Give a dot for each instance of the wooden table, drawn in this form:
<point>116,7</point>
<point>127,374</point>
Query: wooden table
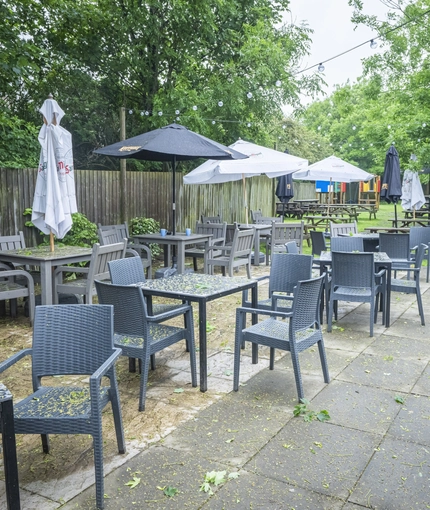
<point>319,220</point>
<point>406,222</point>
<point>404,230</point>
<point>200,288</point>
<point>47,261</point>
<point>178,241</point>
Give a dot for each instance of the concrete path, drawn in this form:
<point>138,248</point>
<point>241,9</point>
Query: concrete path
<point>374,452</point>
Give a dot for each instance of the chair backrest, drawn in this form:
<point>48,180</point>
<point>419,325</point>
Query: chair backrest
<point>108,236</point>
<point>318,242</point>
<point>229,233</point>
<point>255,215</point>
<point>287,269</point>
<point>15,242</point>
<point>292,247</point>
<point>211,219</point>
<point>396,246</point>
<point>71,339</point>
<point>343,228</point>
<point>418,235</point>
<point>284,232</point>
<point>100,257</point>
<point>267,220</point>
<point>306,306</point>
<point>130,311</point>
<point>243,243</point>
<point>420,256</point>
<point>122,229</point>
<point>126,271</point>
<point>353,270</point>
<point>348,243</point>
<point>217,230</point>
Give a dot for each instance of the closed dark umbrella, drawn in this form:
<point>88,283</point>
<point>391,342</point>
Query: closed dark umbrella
<point>284,190</point>
<point>391,186</point>
<point>170,143</point>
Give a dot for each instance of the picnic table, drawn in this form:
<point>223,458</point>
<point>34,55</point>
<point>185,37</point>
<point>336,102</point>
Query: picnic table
<point>387,229</point>
<point>407,222</point>
<point>324,220</point>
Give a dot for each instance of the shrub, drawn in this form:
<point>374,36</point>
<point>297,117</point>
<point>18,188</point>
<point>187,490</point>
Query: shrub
<point>141,225</point>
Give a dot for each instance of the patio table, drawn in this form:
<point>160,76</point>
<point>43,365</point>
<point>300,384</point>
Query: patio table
<point>178,241</point>
<point>200,288</point>
<point>47,261</point>
<point>7,427</point>
<point>381,260</point>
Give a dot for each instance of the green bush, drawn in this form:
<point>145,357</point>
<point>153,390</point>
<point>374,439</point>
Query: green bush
<point>143,225</point>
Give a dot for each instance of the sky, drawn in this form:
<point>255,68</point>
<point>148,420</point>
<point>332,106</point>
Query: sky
<point>333,34</point>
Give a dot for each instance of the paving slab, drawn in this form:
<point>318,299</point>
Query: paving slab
<point>317,456</point>
<point>407,327</point>
<point>383,371</point>
<point>397,478</point>
<point>257,492</point>
<point>358,406</point>
<point>348,340</point>
<point>401,347</point>
<point>422,386</point>
<point>413,421</point>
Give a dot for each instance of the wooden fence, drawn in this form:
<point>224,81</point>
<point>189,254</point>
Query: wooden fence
<point>149,194</point>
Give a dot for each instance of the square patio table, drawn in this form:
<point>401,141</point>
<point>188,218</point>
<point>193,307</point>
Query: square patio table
<point>179,241</point>
<point>200,288</point>
<point>381,260</point>
<point>9,449</point>
<point>42,256</point>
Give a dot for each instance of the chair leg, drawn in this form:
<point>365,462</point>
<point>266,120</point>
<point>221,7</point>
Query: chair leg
<point>45,443</point>
<point>297,375</point>
<point>237,345</point>
<point>131,365</point>
<point>420,307</point>
<point>98,465</point>
<point>117,418</point>
<point>272,358</point>
<point>13,305</point>
<point>248,270</point>
<point>330,315</point>
<point>143,381</point>
<point>195,263</point>
<point>323,359</point>
<point>152,361</point>
<point>190,342</point>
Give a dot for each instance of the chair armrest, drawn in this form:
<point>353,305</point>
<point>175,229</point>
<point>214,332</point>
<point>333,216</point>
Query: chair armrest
<point>5,267</point>
<point>218,241</point>
<point>380,274</point>
<point>14,358</point>
<point>170,314</point>
<point>141,249</point>
<point>129,252</point>
<point>271,313</point>
<point>103,369</point>
<point>224,249</point>
<point>275,298</point>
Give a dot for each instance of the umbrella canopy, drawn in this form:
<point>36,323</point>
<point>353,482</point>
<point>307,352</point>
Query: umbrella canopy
<point>332,169</point>
<point>284,189</point>
<point>412,192</point>
<point>391,188</point>
<point>54,199</point>
<point>170,143</point>
<point>261,161</point>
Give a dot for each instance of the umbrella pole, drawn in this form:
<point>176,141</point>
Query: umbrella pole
<point>51,242</point>
<point>395,214</point>
<point>174,260</point>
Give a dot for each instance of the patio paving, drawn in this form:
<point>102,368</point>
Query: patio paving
<point>372,453</point>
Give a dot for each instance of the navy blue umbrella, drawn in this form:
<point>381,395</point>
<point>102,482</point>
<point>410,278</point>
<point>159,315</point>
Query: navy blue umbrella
<point>284,189</point>
<point>391,186</point>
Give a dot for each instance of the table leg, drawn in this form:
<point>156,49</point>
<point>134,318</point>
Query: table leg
<point>46,283</point>
<point>203,347</point>
<point>180,247</point>
<point>254,301</point>
<point>388,298</point>
<point>257,248</point>
<point>9,455</point>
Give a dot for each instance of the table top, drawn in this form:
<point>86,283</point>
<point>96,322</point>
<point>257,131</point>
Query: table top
<point>43,253</point>
<point>5,394</point>
<point>197,285</point>
<point>378,256</point>
<point>256,226</point>
<point>170,237</point>
<point>387,229</point>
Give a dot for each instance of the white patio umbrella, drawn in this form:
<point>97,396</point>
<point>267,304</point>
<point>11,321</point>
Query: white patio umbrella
<point>54,198</point>
<point>262,160</point>
<point>332,169</point>
<point>412,192</point>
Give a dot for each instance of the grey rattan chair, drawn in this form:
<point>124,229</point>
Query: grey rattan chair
<point>291,247</point>
<point>353,278</point>
<point>71,340</point>
<point>10,289</point>
<point>282,233</point>
<point>303,330</point>
<point>348,244</point>
<point>412,286</point>
<point>140,335</point>
<point>318,242</point>
<point>217,230</point>
<point>97,269</point>
<point>417,236</point>
<point>397,247</point>
<point>287,269</point>
<point>111,234</point>
<point>234,256</point>
<point>337,229</point>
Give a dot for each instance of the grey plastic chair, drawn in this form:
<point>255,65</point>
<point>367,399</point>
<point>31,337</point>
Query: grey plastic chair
<point>287,269</point>
<point>111,234</point>
<point>353,278</point>
<point>397,247</point>
<point>97,269</point>
<point>140,335</point>
<point>417,236</point>
<point>282,233</point>
<point>10,289</point>
<point>337,229</point>
<point>412,286</point>
<point>303,330</point>
<point>348,244</point>
<point>217,230</point>
<point>71,340</point>
<point>318,242</point>
<point>291,247</point>
<point>234,256</point>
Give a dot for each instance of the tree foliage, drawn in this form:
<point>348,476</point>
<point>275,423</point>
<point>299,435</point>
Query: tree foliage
<point>153,56</point>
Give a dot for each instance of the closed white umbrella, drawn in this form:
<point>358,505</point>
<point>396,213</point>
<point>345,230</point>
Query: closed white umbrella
<point>412,192</point>
<point>261,160</point>
<point>54,198</point>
